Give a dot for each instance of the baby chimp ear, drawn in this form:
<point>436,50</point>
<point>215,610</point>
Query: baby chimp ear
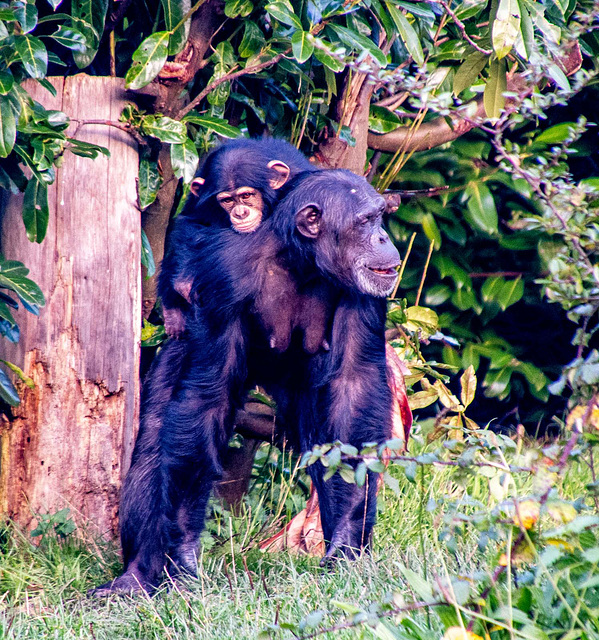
<point>307,221</point>
<point>196,185</point>
<point>280,172</point>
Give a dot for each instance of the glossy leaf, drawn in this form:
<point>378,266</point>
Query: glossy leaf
<point>164,128</point>
<point>54,3</point>
<point>496,86</point>
<point>407,33</point>
<point>184,158</point>
<point>13,276</point>
<point>506,27</point>
<point>148,183</point>
<point>88,17</point>
<point>8,393</point>
<point>32,54</point>
<point>8,127</point>
<point>218,125</point>
<point>358,42</point>
<point>71,38</point>
<point>481,212</point>
<point>382,120</point>
<point>148,60</point>
<point>174,12</point>
<point>35,210</point>
<point>556,134</point>
<point>511,292</point>
<point>329,61</point>
<point>26,14</point>
<point>468,72</point>
<point>283,13</point>
<point>302,46</point>
<point>253,40</point>
<point>238,8</point>
<point>147,256</point>
<point>431,229</point>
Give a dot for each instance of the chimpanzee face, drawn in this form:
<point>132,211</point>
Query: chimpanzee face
<point>343,216</point>
<point>245,204</point>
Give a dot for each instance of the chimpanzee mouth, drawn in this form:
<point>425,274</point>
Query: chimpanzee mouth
<point>380,271</point>
<point>377,281</point>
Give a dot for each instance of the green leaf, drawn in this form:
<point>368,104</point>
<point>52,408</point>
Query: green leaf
<point>8,127</point>
<point>481,212</point>
<point>147,256</point>
<point>184,158</point>
<point>35,210</point>
<point>238,8</point>
<point>491,289</point>
<point>148,60</point>
<point>420,586</point>
<point>510,293</point>
<point>431,229</point>
<point>496,382</point>
<point>382,120</point>
<point>496,86</point>
<point>13,276</point>
<point>218,125</point>
<point>174,11</point>
<point>302,46</point>
<point>88,17</point>
<point>506,27</point>
<point>20,373</point>
<point>555,135</point>
<point>329,61</point>
<point>283,13</point>
<point>464,299</point>
<point>32,53</point>
<point>422,318</point>
<point>8,393</point>
<point>26,14</point>
<point>407,33</point>
<point>469,71</point>
<point>359,43</point>
<point>164,128</point>
<point>148,183</point>
<point>5,312</point>
<point>253,40</point>
<point>70,38</point>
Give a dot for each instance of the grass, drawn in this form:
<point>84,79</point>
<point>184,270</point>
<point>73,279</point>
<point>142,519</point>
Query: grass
<point>240,590</point>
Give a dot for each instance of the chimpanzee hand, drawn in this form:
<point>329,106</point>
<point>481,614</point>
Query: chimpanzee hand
<point>174,322</point>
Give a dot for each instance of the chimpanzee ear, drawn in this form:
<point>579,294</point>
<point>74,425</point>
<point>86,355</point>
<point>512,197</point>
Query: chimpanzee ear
<point>196,185</point>
<point>307,221</point>
<point>280,173</point>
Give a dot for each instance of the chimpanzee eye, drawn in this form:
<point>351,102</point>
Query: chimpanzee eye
<point>226,201</point>
<point>246,196</point>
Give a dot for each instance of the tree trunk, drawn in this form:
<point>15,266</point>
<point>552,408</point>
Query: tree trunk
<point>69,442</point>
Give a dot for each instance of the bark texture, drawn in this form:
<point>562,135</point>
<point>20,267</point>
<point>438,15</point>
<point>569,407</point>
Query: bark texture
<point>70,441</point>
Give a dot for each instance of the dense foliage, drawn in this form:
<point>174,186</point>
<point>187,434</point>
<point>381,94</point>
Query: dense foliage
<point>367,85</point>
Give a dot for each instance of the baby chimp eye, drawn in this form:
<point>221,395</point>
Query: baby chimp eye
<point>226,201</point>
<point>246,196</point>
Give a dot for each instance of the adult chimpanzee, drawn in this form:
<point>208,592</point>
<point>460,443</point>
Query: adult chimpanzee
<point>325,233</point>
<point>236,187</point>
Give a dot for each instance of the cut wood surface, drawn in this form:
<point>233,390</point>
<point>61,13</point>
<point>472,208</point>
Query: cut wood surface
<point>72,436</point>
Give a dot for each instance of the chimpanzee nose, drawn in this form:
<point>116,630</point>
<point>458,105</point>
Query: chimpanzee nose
<point>242,213</point>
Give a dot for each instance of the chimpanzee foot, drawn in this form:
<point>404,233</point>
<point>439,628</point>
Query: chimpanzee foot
<point>127,584</point>
<point>340,546</point>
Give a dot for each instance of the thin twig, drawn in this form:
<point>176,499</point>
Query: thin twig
<point>227,78</point>
<point>428,259</point>
<point>461,26</point>
<point>123,126</point>
<point>403,265</point>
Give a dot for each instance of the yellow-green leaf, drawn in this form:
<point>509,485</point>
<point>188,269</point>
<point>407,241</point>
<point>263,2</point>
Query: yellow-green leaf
<point>506,27</point>
<point>496,86</point>
<point>468,384</point>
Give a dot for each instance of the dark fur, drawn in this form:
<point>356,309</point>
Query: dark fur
<point>236,164</point>
<point>342,394</point>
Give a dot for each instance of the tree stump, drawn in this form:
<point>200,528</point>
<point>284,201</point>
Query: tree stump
<point>69,442</point>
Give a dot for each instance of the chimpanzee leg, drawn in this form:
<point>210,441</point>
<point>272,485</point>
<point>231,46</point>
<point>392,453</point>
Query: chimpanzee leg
<point>176,458</point>
<point>348,400</point>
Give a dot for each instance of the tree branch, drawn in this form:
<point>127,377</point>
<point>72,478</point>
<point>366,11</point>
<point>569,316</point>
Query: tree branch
<point>471,115</point>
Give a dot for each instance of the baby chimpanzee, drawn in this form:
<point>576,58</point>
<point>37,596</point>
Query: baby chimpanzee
<point>236,187</point>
